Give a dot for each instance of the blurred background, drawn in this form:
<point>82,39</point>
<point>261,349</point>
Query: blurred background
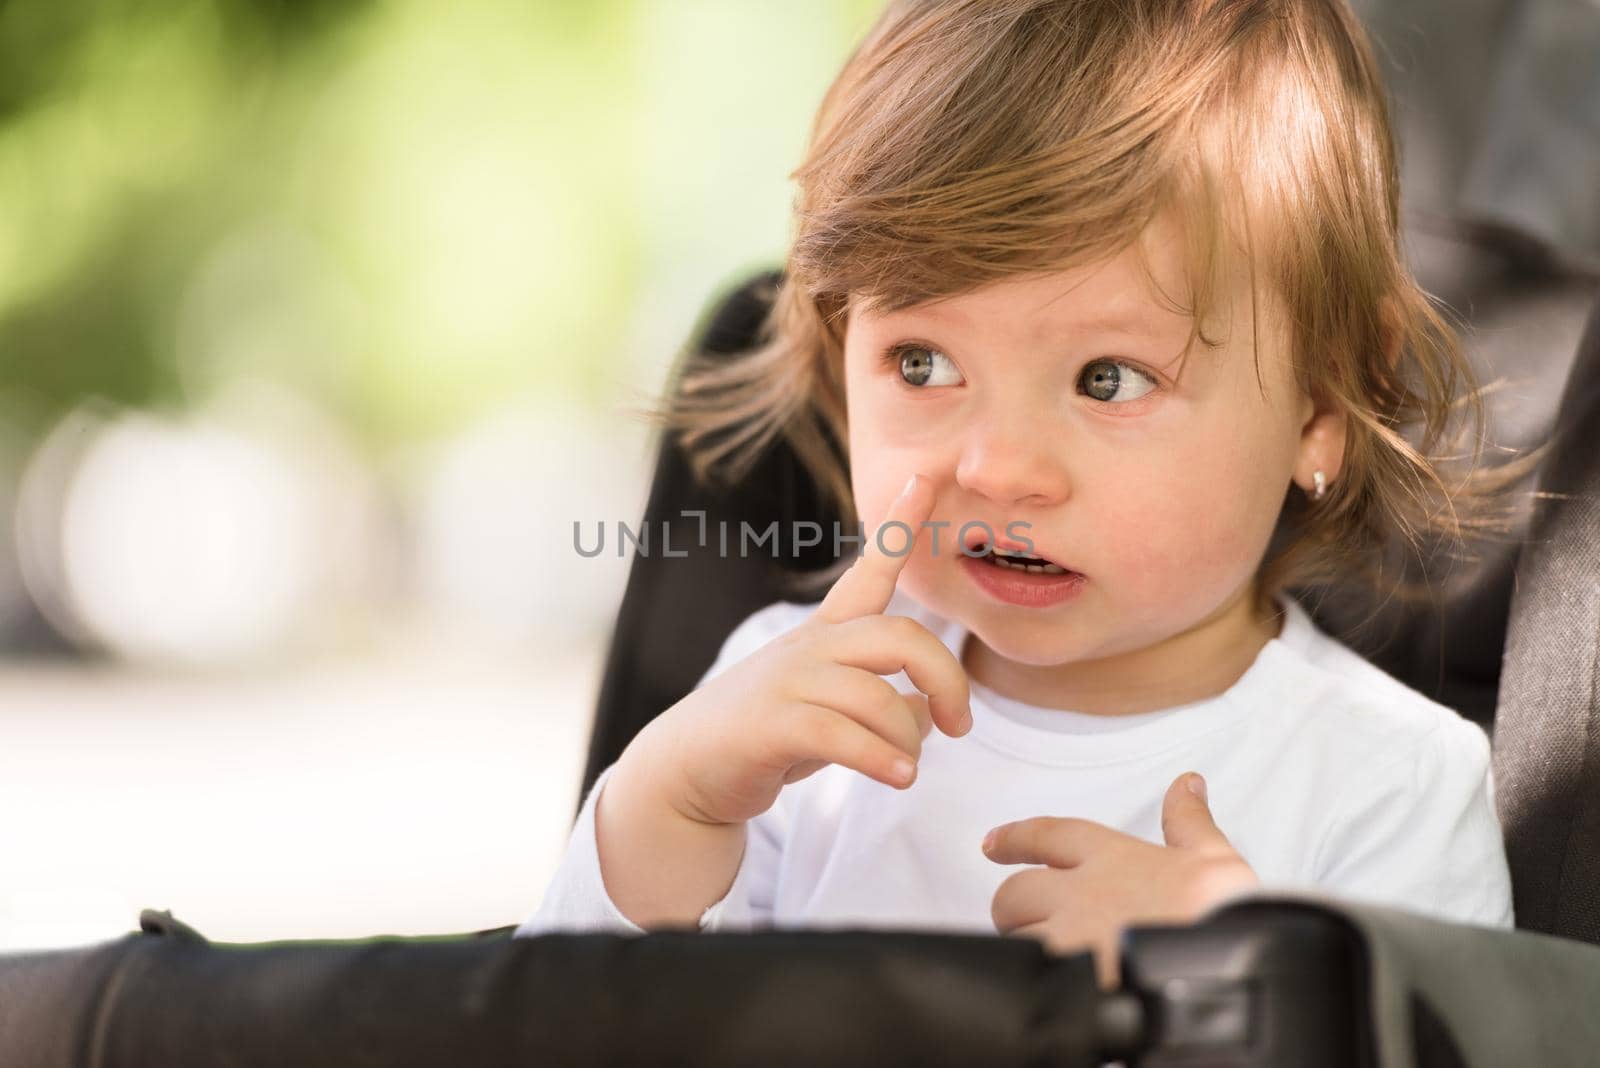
<point>320,323</point>
<point>319,326</point>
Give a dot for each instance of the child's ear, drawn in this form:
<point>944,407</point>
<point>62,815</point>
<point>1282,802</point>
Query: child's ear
<point>1327,424</point>
<point>1322,438</point>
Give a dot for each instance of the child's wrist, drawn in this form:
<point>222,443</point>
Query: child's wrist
<point>659,867</point>
<point>658,783</point>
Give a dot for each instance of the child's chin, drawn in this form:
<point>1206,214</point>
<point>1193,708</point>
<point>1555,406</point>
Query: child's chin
<point>1034,650</point>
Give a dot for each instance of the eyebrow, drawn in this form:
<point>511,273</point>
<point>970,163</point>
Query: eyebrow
<point>1133,324</point>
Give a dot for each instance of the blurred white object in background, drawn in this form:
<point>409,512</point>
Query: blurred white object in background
<point>182,541</point>
<point>496,557</point>
<point>216,539</point>
<point>41,507</point>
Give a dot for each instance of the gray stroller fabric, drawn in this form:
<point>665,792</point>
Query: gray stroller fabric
<point>1547,736</point>
<point>1498,109</point>
<point>1447,993</point>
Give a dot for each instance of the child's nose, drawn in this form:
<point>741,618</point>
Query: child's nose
<point>1013,461</point>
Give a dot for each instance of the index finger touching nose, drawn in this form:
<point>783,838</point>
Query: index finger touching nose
<point>866,588</point>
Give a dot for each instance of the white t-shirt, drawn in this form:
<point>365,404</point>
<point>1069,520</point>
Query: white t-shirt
<point>1325,773</point>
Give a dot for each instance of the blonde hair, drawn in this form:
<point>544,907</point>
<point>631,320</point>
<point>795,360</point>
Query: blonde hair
<point>965,141</point>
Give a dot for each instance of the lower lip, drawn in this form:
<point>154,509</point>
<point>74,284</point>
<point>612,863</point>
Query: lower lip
<point>1025,589</point>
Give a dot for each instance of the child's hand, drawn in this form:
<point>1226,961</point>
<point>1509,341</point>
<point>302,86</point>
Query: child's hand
<point>1100,880</point>
<point>812,697</point>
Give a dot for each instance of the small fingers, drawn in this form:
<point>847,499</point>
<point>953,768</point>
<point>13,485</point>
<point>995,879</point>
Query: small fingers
<point>866,588</point>
<point>871,701</point>
<point>887,645</point>
<point>820,733</point>
<point>1028,897</point>
<point>1059,841</point>
<point>922,712</point>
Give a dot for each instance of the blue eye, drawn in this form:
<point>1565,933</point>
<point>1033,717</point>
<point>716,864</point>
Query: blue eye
<point>920,365</point>
<point>1114,381</point>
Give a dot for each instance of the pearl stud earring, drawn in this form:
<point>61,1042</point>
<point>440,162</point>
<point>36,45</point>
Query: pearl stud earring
<point>1320,483</point>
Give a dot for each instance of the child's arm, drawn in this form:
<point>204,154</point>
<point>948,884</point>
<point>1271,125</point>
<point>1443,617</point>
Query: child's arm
<point>664,831</point>
<point>577,898</point>
<point>661,867</point>
<point>671,824</point>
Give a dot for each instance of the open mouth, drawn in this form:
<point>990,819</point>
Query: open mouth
<point>1016,560</point>
<point>1025,580</point>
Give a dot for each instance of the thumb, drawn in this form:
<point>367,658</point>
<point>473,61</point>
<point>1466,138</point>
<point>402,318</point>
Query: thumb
<point>1186,815</point>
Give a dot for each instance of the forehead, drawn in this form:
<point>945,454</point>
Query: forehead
<point>1142,291</point>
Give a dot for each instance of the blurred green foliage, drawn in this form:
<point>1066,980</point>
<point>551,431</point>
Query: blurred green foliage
<point>113,172</point>
<point>406,211</point>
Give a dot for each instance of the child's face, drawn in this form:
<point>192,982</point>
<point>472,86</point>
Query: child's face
<point>1161,492</point>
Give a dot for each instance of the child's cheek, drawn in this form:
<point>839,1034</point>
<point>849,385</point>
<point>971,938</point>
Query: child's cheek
<point>1181,542</point>
<point>887,445</point>
<point>878,474</point>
